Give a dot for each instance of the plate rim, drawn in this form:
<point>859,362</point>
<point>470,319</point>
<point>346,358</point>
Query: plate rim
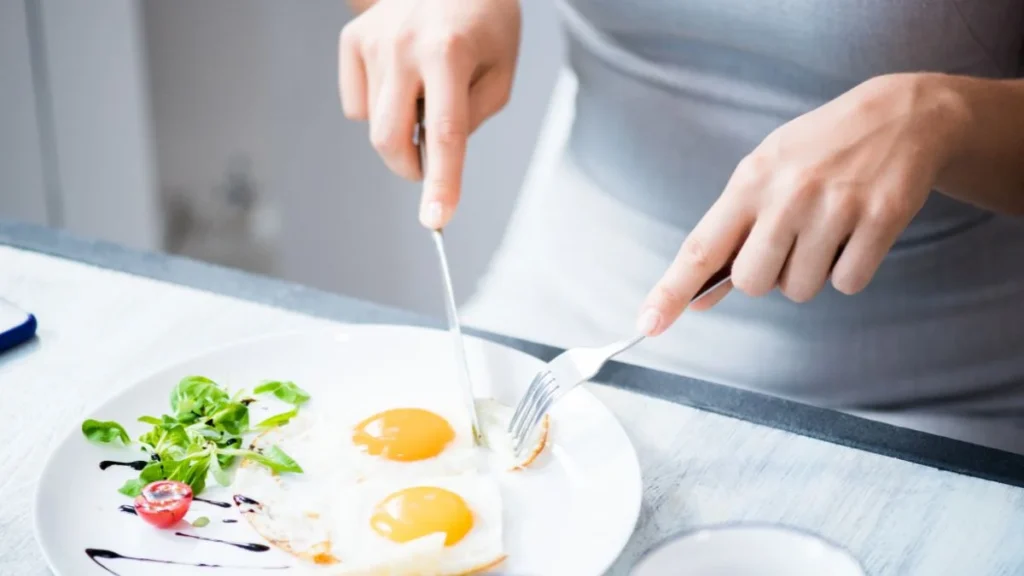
<point>136,381</point>
<point>743,525</point>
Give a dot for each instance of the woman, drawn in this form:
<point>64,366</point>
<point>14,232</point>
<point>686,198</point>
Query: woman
<point>863,161</point>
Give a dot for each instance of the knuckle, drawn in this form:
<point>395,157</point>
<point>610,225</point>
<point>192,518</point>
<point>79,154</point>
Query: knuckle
<point>668,296</point>
<point>841,211</point>
<point>404,39</point>
<point>752,170</point>
<point>899,206</point>
<point>443,189</point>
<point>370,49</point>
<point>383,140</point>
<point>799,185</point>
<point>694,253</point>
<point>449,131</point>
<point>348,38</point>
<point>449,47</point>
<point>886,210</point>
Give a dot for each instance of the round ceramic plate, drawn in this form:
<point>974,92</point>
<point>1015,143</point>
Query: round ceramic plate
<point>570,513</point>
<point>748,548</point>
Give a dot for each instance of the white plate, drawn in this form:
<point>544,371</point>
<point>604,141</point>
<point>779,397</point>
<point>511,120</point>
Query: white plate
<point>572,515</point>
<point>739,549</point>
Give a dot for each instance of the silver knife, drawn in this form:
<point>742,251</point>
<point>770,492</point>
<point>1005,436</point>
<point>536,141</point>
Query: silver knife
<point>461,363</point>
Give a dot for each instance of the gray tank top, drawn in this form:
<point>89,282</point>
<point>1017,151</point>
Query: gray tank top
<point>673,93</point>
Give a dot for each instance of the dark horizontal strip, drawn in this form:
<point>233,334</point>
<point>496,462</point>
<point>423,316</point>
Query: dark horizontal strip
<point>820,423</point>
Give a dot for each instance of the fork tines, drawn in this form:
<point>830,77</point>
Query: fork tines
<point>531,409</point>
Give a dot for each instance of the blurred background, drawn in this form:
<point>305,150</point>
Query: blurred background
<point>213,129</point>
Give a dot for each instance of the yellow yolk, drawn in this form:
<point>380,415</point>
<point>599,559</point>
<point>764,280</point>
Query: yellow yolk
<point>403,434</point>
<point>419,511</point>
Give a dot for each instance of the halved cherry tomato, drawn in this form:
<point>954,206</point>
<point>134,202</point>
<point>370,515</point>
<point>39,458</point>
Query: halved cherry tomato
<point>163,503</point>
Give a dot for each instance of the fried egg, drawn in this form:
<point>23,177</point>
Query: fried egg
<point>446,525</point>
<point>439,526</point>
<point>402,431</point>
<point>390,485</point>
<point>494,418</point>
<point>410,441</point>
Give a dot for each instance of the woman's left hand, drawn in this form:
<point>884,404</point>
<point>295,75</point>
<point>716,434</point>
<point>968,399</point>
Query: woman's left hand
<point>849,174</point>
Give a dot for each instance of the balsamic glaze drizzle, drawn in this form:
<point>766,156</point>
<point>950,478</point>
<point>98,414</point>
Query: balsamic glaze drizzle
<point>136,465</point>
<point>239,500</point>
<point>95,554</point>
<point>250,546</point>
<point>230,521</point>
<point>128,509</point>
<point>214,503</point>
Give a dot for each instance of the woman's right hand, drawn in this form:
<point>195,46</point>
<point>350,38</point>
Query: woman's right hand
<point>459,56</point>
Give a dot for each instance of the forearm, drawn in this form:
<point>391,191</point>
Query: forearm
<point>360,6</point>
<point>986,162</point>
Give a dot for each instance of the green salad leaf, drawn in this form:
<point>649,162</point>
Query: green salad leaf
<point>105,432</point>
<point>278,419</point>
<point>203,434</point>
<point>284,391</point>
<point>273,458</point>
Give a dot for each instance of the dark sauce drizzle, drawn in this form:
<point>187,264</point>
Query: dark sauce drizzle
<point>128,509</point>
<point>214,503</point>
<point>240,500</point>
<point>250,546</point>
<point>96,554</point>
<point>136,465</point>
<point>230,521</point>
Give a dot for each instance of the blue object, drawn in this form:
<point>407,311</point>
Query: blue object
<point>16,326</point>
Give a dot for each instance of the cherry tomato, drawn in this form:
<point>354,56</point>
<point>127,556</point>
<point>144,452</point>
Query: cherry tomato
<point>163,503</point>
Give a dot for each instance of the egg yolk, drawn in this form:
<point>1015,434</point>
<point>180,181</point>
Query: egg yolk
<point>419,511</point>
<point>403,434</point>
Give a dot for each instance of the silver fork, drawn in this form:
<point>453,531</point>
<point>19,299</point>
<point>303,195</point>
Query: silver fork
<point>574,367</point>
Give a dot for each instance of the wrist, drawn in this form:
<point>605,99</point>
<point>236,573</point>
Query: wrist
<point>946,113</point>
<point>938,112</point>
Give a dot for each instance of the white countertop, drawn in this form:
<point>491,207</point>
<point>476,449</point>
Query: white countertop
<point>100,329</point>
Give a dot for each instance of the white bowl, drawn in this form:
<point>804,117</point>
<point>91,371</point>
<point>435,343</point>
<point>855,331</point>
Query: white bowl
<point>747,550</point>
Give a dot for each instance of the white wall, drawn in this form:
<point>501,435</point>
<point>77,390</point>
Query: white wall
<point>96,65</point>
<point>74,120</point>
<point>260,77</point>
<point>22,188</point>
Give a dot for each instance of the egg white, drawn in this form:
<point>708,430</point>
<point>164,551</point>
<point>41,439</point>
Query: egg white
<point>323,514</point>
<point>361,550</point>
<point>459,455</point>
<point>302,513</point>
<point>494,418</point>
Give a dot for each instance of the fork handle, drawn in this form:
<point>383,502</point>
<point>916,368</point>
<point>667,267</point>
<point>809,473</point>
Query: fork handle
<point>716,280</point>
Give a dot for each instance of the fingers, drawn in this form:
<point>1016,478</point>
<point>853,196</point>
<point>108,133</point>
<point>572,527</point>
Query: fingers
<point>488,96</point>
<point>814,254</point>
<point>759,263</point>
<point>876,232</point>
<point>705,251</point>
<point>394,120</point>
<point>446,88</point>
<point>351,76</point>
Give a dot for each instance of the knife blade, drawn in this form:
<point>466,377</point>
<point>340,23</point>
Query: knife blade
<point>454,327</point>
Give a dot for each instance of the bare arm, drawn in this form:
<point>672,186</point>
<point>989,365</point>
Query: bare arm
<point>360,6</point>
<point>986,167</point>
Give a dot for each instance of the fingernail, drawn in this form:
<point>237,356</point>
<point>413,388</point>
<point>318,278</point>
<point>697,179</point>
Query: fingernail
<point>649,321</point>
<point>431,214</point>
